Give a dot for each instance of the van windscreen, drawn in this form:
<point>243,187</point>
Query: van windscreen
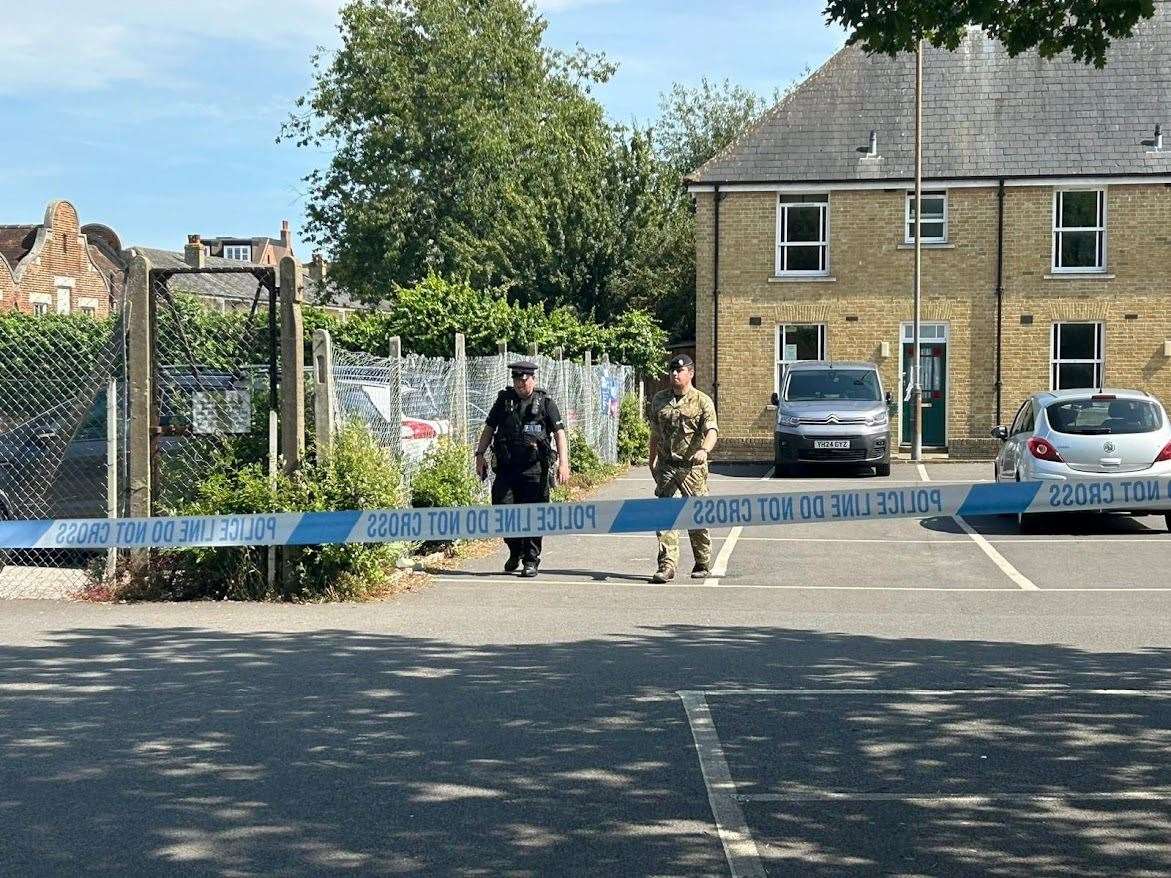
<point>807,386</point>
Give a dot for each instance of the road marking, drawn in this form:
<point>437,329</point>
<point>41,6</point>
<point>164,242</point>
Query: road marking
<point>620,583</point>
<point>1157,538</point>
<point>1158,795</point>
<point>1022,581</point>
<point>739,845</point>
<point>1036,691</point>
<point>720,568</point>
<point>998,559</point>
<point>769,474</point>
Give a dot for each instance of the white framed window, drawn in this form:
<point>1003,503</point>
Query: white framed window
<point>934,222</point>
<point>1079,230</point>
<point>239,252</point>
<point>1076,356</point>
<point>88,306</point>
<point>802,234</point>
<point>928,332</point>
<point>797,342</point>
<point>41,302</point>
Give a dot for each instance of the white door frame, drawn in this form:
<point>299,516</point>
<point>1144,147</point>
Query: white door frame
<point>946,342</point>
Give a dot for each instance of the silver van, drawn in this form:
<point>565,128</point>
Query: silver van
<point>832,413</point>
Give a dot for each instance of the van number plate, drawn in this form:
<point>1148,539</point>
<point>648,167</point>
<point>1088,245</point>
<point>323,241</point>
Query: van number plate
<point>831,443</point>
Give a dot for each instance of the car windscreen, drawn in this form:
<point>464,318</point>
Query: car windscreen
<point>1100,416</point>
<point>855,384</point>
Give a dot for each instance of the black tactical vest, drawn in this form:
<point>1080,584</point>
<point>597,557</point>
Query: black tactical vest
<point>522,439</point>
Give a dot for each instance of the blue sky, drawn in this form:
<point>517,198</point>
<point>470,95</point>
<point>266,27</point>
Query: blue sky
<point>160,119</point>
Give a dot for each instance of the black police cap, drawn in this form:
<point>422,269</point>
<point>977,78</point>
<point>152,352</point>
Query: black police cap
<point>523,366</point>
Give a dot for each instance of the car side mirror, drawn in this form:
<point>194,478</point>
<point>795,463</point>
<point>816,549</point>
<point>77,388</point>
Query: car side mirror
<point>776,398</point>
<point>1000,433</point>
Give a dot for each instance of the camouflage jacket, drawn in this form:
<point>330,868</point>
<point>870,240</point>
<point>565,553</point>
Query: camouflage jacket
<point>680,424</point>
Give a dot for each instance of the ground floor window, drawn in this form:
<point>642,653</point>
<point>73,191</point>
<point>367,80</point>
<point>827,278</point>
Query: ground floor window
<point>797,342</point>
<point>1076,356</point>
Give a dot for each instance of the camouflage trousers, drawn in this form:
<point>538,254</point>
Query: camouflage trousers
<point>687,481</point>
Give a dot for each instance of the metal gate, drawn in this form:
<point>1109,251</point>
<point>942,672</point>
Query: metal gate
<point>213,379</point>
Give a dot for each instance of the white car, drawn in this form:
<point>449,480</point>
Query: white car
<point>1066,435</point>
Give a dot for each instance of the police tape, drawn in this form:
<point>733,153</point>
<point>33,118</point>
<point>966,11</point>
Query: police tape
<point>598,517</point>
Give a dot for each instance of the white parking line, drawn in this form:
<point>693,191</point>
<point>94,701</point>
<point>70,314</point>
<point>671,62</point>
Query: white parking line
<point>1153,795</point>
<point>1022,581</point>
<point>627,583</point>
<point>739,845</point>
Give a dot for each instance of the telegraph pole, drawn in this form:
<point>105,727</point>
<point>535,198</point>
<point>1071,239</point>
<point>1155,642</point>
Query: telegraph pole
<point>916,386</point>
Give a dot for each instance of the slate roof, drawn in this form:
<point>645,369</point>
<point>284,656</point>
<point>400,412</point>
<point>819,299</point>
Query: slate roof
<point>16,242</point>
<point>984,115</point>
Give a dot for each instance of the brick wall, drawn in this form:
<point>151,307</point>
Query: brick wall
<point>60,258</point>
<point>870,295</point>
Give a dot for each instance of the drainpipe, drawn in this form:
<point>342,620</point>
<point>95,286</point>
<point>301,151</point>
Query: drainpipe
<point>999,291</point>
<point>716,302</point>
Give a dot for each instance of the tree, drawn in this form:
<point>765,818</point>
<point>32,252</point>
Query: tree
<point>696,123</point>
<point>1082,27</point>
<point>460,145</point>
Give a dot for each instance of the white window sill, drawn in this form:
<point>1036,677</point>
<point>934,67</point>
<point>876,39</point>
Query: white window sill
<point>801,278</point>
<point>928,245</point>
<point>1079,275</point>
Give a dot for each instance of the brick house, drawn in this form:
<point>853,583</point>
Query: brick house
<point>60,266</point>
<point>257,251</point>
<point>1046,234</point>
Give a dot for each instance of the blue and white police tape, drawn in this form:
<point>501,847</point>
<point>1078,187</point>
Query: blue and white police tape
<point>600,517</point>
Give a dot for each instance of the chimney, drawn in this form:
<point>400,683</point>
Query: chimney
<point>318,269</point>
<point>286,238</point>
<point>193,253</point>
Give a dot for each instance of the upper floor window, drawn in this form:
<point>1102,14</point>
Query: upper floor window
<point>802,234</point>
<point>41,303</point>
<point>934,221</point>
<point>239,252</point>
<point>1079,230</point>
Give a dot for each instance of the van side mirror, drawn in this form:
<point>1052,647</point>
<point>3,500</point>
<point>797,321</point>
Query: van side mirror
<point>776,399</point>
<point>1000,433</point>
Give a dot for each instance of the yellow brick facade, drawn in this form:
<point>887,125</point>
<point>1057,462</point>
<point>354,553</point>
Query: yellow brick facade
<point>869,295</point>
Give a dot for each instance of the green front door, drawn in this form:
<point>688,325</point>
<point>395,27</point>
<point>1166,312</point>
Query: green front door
<point>933,376</point>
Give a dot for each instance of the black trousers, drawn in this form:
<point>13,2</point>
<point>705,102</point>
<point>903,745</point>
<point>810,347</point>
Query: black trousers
<point>526,486</point>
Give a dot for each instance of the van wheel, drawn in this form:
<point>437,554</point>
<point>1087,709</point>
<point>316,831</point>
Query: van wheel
<point>782,470</point>
<point>882,469</point>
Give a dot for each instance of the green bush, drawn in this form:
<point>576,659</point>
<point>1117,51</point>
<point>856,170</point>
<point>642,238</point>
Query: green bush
<point>634,434</point>
<point>357,474</point>
<point>583,460</point>
<point>445,477</point>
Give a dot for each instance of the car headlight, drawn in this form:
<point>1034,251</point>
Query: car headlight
<point>879,420</point>
<point>788,420</point>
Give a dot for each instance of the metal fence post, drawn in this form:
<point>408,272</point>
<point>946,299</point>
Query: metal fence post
<point>460,403</point>
<point>292,365</point>
<point>588,396</point>
<point>323,392</point>
<point>395,379</point>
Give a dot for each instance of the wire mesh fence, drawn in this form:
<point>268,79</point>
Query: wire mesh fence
<point>213,383</point>
<point>62,411</point>
<point>410,403</point>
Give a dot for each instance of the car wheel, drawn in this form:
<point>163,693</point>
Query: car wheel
<point>882,469</point>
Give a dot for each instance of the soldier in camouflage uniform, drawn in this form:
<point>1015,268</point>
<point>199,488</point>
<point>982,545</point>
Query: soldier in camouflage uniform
<point>683,433</point>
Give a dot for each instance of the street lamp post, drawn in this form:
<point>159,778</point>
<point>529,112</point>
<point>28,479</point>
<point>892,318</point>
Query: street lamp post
<point>916,387</point>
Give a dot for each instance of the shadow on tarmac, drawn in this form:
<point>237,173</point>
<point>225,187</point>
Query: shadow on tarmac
<point>131,750</point>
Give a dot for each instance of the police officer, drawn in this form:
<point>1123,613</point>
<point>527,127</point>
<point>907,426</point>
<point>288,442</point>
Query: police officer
<point>522,427</point>
<point>683,434</point>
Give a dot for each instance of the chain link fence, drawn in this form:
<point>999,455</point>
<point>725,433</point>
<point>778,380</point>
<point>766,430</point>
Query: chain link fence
<point>410,403</point>
<point>62,414</point>
<point>214,381</point>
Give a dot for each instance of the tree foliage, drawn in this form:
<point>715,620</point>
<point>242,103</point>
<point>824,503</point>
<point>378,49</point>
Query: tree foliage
<point>1084,28</point>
